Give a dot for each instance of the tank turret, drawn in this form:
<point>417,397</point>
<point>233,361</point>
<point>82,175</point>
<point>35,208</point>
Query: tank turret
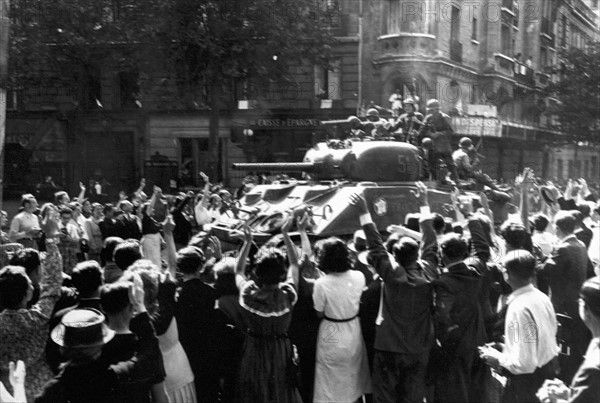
<point>360,161</point>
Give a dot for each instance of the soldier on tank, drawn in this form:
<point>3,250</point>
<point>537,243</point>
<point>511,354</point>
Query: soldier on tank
<point>437,126</point>
<point>466,160</point>
<point>356,128</point>
<point>382,126</point>
<point>409,122</point>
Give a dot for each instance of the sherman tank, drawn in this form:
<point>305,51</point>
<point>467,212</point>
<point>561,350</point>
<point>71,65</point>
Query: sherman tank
<point>383,171</point>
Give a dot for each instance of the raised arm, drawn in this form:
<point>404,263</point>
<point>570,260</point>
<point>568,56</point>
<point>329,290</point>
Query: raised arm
<point>302,224</point>
<point>81,194</point>
<point>292,255</point>
<point>390,273</point>
<point>171,250</point>
<point>429,249</point>
<point>155,194</point>
<point>240,267</point>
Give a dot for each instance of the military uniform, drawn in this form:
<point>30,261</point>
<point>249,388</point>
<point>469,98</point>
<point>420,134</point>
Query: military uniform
<point>438,128</point>
<point>409,123</point>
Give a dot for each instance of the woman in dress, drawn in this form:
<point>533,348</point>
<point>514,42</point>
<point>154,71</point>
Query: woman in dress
<point>24,332</point>
<point>342,370</point>
<point>267,371</point>
<point>160,289</point>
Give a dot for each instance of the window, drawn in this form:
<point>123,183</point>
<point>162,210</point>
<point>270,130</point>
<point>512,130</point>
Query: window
<point>328,83</point>
<point>506,39</point>
<point>559,169</point>
<point>92,88</point>
<point>544,62</point>
<point>473,95</point>
<point>455,24</point>
<point>12,100</point>
<point>586,167</point>
<point>563,31</point>
<point>129,88</point>
<point>194,157</point>
<point>474,29</point>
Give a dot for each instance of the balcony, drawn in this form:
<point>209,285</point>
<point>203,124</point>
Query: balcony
<point>504,64</point>
<point>524,74</point>
<point>405,44</point>
<point>456,51</point>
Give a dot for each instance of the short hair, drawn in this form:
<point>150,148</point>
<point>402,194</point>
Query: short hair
<point>454,247</point>
<point>224,271</point>
<point>584,209</point>
<point>540,222</point>
<point>65,210</point>
<point>108,207</point>
<point>108,248</point>
<point>28,258</point>
<point>95,205</point>
<point>333,255</point>
<point>26,198</point>
<point>149,274</point>
<point>516,235</point>
<point>520,263</point>
<point>114,297</point>
<point>406,251</point>
<point>590,293</point>
<point>59,195</point>
<point>14,284</point>
<point>190,259</point>
<point>438,223</point>
<point>565,221</point>
<point>87,278</point>
<point>269,265</point>
<point>126,253</point>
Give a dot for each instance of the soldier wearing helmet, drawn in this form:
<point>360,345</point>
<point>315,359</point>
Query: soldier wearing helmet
<point>382,126</point>
<point>437,126</point>
<point>465,159</point>
<point>356,127</point>
<point>409,123</point>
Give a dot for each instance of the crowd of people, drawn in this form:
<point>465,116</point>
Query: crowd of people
<point>137,301</point>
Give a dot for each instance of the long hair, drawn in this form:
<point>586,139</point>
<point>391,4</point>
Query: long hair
<point>333,255</point>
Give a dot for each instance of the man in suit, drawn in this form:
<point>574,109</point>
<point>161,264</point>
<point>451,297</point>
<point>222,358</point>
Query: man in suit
<point>404,334</point>
<point>127,226</point>
<point>564,272</point>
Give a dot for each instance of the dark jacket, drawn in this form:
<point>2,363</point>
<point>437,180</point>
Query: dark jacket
<point>564,272</point>
<point>585,235</point>
<point>408,122</point>
<point>108,227</point>
<point>586,382</point>
<point>128,228</point>
<point>439,129</point>
<point>99,381</point>
<point>458,299</point>
<point>407,325</point>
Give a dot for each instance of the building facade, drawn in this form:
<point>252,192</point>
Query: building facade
<point>487,62</point>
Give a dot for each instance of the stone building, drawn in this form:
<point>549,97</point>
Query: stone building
<point>486,61</point>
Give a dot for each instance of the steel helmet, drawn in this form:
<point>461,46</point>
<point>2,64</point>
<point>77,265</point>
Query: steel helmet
<point>353,120</point>
<point>410,101</point>
<point>433,103</point>
<point>373,112</point>
<point>465,142</point>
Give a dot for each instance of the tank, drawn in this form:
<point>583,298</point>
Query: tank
<point>383,171</point>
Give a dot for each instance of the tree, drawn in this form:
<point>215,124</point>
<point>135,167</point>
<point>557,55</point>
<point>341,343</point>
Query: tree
<point>202,45</point>
<point>578,90</point>
<point>216,43</point>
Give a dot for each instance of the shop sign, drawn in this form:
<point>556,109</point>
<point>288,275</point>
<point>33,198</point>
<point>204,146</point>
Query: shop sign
<point>287,122</point>
<point>472,126</point>
<point>19,138</point>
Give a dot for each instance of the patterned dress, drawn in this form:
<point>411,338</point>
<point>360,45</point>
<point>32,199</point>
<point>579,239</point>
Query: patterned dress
<point>266,372</point>
<point>24,332</point>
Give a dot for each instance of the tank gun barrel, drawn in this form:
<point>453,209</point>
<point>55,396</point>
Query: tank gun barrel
<point>278,166</point>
